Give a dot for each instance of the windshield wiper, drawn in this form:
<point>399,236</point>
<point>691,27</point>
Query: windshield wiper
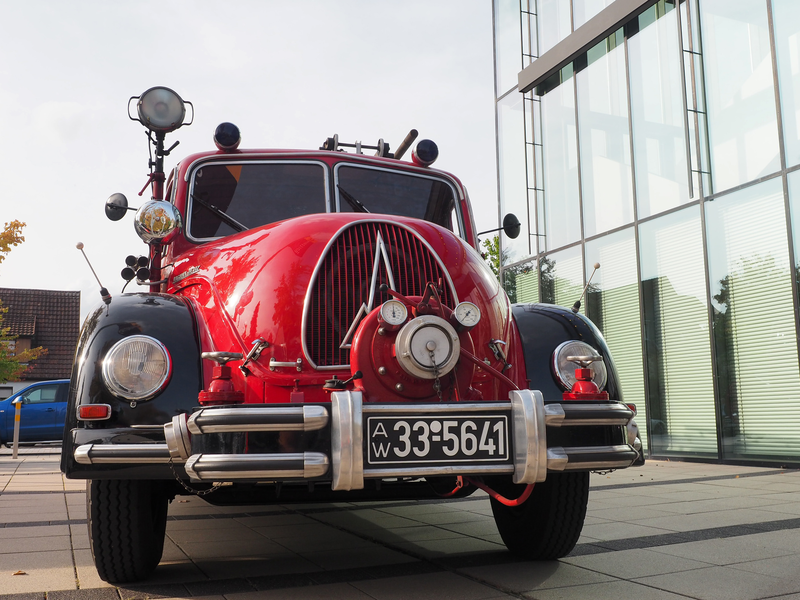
<point>227,219</point>
<point>351,200</point>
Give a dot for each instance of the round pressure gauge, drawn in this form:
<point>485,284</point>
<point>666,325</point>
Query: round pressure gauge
<point>467,314</point>
<point>394,312</point>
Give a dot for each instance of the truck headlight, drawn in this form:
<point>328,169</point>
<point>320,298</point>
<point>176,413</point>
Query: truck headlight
<point>564,368</point>
<point>137,368</point>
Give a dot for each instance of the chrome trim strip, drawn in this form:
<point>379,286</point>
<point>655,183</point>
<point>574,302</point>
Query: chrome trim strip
<point>258,418</point>
<point>427,409</point>
<point>229,467</point>
<point>313,280</point>
<point>347,451</point>
<point>439,470</point>
<point>580,413</point>
<point>178,438</point>
<point>554,415</point>
<point>530,436</point>
<point>568,459</point>
<point>95,454</point>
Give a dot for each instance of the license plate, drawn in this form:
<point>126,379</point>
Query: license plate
<point>447,439</point>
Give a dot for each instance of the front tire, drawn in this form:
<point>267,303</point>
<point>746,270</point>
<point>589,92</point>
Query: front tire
<point>127,523</point>
<point>547,526</point>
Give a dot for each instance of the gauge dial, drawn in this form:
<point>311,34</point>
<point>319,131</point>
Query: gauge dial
<point>467,314</point>
<point>394,312</point>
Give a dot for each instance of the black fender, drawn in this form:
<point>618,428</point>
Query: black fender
<point>165,317</point>
<point>542,327</point>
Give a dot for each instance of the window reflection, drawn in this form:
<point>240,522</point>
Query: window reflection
<point>742,123</point>
<point>659,134</point>
<point>583,10</point>
<point>786,18</point>
<point>677,348</point>
<point>554,22</point>
<point>606,183</point>
<point>512,174</point>
<point>612,302</point>
<point>560,219</point>
<point>507,44</point>
<point>562,277</point>
<point>754,329</point>
<point>521,282</point>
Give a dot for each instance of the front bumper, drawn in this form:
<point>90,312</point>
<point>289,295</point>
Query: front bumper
<point>212,444</point>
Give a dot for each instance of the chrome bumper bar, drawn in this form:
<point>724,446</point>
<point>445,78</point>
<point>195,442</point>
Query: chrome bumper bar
<point>529,416</point>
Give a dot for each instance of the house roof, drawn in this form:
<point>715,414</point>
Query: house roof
<point>50,318</point>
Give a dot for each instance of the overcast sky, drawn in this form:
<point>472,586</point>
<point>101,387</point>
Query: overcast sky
<point>289,73</point>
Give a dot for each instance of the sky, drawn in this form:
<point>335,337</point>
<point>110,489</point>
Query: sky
<point>289,73</point>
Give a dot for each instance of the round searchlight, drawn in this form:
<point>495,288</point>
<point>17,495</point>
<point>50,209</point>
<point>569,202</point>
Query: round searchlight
<point>161,109</point>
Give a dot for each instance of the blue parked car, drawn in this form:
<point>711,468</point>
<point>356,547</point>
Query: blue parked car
<point>44,408</point>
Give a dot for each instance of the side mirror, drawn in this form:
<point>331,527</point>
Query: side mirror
<point>511,226</point>
<point>117,206</point>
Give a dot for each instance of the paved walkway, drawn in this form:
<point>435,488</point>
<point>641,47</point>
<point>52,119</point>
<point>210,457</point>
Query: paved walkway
<point>669,530</point>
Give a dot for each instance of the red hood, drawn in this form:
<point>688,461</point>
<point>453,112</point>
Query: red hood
<point>260,283</point>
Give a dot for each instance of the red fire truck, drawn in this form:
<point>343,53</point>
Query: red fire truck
<point>319,325</point>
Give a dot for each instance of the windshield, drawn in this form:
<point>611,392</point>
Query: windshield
<point>363,189</point>
<point>227,198</point>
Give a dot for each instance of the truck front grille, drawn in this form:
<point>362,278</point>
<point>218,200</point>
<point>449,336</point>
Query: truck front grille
<point>344,282</point>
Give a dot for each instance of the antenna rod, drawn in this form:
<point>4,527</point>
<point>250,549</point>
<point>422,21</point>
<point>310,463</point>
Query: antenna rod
<point>577,306</point>
<point>103,291</point>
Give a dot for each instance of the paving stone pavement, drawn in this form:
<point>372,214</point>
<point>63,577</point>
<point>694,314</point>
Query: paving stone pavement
<point>668,530</point>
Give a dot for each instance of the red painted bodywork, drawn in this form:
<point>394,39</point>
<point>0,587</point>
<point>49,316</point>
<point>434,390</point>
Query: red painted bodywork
<point>253,285</point>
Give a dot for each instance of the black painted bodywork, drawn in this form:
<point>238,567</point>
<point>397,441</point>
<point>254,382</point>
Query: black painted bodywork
<point>164,317</point>
<point>542,327</point>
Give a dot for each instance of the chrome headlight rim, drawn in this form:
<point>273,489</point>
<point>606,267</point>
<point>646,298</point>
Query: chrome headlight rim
<point>564,370</point>
<point>110,380</point>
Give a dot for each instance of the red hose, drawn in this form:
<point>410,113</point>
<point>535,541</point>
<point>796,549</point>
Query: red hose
<point>459,485</point>
<point>501,499</point>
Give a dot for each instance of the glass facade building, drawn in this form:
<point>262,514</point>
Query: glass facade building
<point>661,139</point>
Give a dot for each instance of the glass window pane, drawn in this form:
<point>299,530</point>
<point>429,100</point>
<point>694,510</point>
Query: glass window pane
<point>606,184</point>
<point>562,277</point>
<point>786,18</point>
<point>612,302</point>
<point>512,174</point>
<point>583,10</point>
<point>560,218</point>
<point>794,206</point>
<point>507,44</point>
<point>680,385</point>
<point>742,125</point>
<point>659,134</point>
<point>754,329</point>
<point>521,282</point>
<point>554,22</point>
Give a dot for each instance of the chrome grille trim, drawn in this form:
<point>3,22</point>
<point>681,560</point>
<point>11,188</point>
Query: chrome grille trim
<point>364,235</point>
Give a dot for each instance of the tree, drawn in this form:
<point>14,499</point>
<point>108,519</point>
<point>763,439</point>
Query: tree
<point>9,237</point>
<point>12,364</point>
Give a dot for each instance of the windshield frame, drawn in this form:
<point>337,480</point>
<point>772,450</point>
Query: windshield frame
<point>214,161</point>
